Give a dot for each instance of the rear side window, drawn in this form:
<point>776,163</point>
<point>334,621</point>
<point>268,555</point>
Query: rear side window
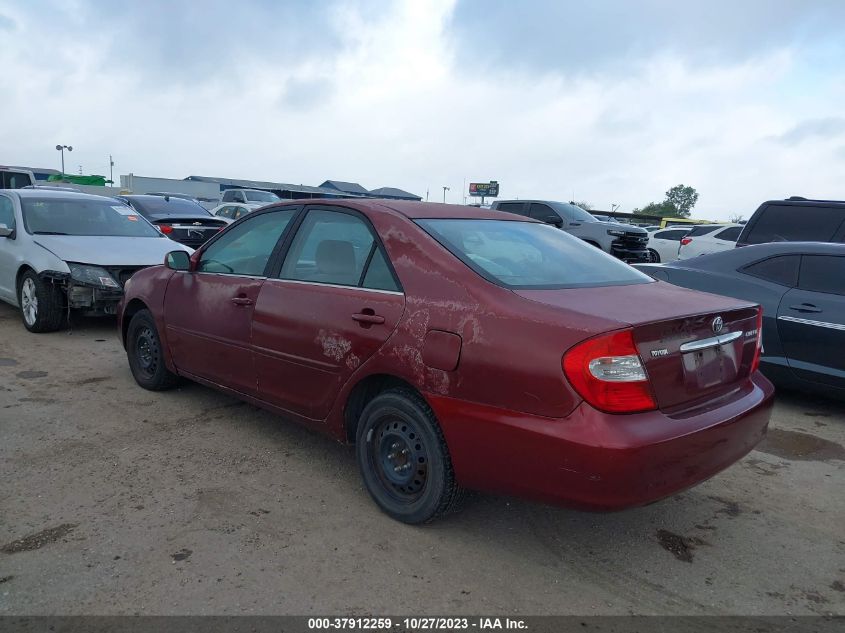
<point>513,207</point>
<point>822,273</point>
<point>15,180</point>
<point>795,223</point>
<point>730,234</point>
<point>698,231</point>
<point>782,269</point>
<point>332,247</point>
<point>673,234</point>
<point>529,255</point>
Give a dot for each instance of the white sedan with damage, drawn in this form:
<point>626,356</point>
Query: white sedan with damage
<point>63,251</point>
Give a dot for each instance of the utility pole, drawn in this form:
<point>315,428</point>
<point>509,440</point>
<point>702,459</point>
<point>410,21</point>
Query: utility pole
<point>445,189</point>
<point>111,170</point>
<point>426,194</point>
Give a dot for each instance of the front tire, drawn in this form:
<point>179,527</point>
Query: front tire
<point>41,303</point>
<point>145,355</point>
<point>404,459</point>
<point>654,256</point>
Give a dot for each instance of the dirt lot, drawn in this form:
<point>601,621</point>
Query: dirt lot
<point>115,500</point>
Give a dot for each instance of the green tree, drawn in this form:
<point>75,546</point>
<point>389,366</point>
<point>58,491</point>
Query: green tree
<point>683,198</point>
<point>679,202</point>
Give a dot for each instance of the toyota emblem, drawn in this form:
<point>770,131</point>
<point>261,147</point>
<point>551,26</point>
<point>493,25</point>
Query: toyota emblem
<point>717,325</point>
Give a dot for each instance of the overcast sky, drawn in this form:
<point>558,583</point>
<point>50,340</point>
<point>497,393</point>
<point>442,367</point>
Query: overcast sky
<point>612,101</point>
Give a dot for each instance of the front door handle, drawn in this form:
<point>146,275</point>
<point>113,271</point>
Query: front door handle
<point>242,301</point>
<point>805,307</point>
<point>369,319</point>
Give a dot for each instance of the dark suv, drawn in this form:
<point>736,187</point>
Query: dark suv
<point>628,243</point>
<point>795,220</point>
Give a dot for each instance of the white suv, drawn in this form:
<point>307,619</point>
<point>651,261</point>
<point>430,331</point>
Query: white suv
<point>709,238</point>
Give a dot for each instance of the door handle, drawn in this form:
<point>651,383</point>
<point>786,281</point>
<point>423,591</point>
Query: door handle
<point>364,318</point>
<point>805,307</point>
<point>242,301</point>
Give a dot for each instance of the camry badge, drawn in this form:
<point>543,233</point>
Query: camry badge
<point>717,325</point>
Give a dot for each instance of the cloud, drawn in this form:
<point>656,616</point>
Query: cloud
<point>825,129</point>
<point>7,23</point>
<point>401,95</point>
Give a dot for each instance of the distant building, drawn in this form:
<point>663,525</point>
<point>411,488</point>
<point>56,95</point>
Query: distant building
<point>393,194</point>
<point>284,190</point>
<point>349,188</point>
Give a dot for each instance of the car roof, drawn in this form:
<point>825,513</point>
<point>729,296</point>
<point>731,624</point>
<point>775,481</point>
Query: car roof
<point>431,210</point>
<point>53,193</point>
<point>736,257</point>
<point>799,201</point>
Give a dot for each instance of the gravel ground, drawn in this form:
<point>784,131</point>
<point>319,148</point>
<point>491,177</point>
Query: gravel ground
<point>119,501</point>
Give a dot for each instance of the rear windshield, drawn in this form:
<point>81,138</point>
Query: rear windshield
<point>524,255</point>
<point>794,223</point>
<point>261,196</point>
<point>83,216</point>
<point>159,205</point>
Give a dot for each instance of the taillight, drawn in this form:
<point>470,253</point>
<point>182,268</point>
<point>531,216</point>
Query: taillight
<point>165,228</point>
<point>758,344</point>
<point>685,241</point>
<point>607,372</point>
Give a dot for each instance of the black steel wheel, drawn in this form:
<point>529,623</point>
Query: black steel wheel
<point>144,352</point>
<point>654,256</point>
<point>404,459</point>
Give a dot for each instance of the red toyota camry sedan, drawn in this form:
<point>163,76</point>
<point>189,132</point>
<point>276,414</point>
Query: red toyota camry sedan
<point>458,348</point>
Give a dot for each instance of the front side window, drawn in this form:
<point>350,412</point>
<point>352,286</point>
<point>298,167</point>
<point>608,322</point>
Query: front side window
<point>574,213</point>
<point>795,223</point>
<point>91,216</point>
<point>7,213</point>
<point>330,247</point>
<point>529,255</point>
<point>543,212</point>
<point>245,249</point>
<point>822,273</point>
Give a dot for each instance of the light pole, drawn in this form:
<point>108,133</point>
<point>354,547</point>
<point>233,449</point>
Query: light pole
<point>445,189</point>
<point>62,149</point>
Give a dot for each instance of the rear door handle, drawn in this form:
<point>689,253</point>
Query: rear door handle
<point>805,307</point>
<point>368,318</point>
<point>242,301</point>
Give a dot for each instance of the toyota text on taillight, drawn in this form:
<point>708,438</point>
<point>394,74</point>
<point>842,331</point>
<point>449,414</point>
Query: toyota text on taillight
<point>608,373</point>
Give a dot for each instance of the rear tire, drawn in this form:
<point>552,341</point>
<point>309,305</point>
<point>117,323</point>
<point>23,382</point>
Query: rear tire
<point>41,303</point>
<point>404,459</point>
<point>145,355</point>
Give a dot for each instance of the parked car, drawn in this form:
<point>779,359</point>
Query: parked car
<point>628,243</point>
<point>14,178</point>
<point>709,238</point>
<point>801,286</point>
<point>652,228</point>
<point>795,219</point>
<point>234,211</point>
<point>181,220</point>
<point>258,196</point>
<point>458,347</point>
<point>663,245</point>
<point>66,250</point>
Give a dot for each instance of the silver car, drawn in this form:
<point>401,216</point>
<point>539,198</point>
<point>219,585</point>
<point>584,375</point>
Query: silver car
<point>62,251</point>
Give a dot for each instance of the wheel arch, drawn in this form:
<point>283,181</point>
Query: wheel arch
<point>363,392</point>
<point>132,308</point>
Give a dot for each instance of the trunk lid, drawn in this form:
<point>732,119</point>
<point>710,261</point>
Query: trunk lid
<point>675,330</point>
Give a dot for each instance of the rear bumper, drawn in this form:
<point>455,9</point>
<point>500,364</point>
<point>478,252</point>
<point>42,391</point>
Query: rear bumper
<point>599,461</point>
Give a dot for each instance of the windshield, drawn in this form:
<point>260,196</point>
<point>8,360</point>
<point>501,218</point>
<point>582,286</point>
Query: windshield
<point>261,196</point>
<point>574,213</point>
<point>83,216</point>
<point>529,255</point>
<point>159,205</point>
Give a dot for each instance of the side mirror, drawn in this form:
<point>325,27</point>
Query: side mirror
<point>554,220</point>
<point>177,260</point>
<point>5,231</point>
